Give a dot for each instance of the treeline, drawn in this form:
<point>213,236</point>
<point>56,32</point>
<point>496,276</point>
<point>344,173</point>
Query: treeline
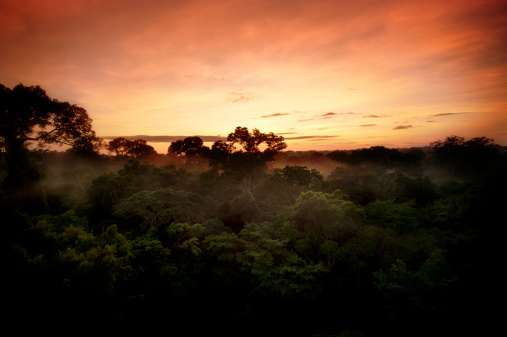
<point>396,242</point>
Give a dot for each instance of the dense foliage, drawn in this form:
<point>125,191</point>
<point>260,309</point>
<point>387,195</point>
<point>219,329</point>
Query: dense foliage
<point>388,242</point>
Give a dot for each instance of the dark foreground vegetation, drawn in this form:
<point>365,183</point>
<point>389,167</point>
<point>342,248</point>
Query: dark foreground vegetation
<point>245,239</point>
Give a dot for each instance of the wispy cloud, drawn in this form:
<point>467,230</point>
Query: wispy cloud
<point>402,127</point>
<point>165,139</point>
<point>377,116</point>
<point>314,137</point>
<point>238,97</point>
<point>448,114</point>
<point>328,115</point>
<point>368,125</point>
<point>275,115</point>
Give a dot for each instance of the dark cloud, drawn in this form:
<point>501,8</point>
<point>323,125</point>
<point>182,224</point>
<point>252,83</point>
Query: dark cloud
<point>402,127</point>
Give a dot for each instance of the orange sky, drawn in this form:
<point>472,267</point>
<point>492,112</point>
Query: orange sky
<point>324,74</point>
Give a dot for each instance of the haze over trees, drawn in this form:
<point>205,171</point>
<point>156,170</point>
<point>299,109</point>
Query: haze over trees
<point>244,238</point>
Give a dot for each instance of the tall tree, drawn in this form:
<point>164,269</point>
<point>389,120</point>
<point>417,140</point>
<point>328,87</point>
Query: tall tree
<point>245,154</point>
<point>29,115</point>
<point>246,150</point>
<point>250,142</point>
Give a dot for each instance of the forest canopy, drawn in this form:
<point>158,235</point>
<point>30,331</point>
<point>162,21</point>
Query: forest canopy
<point>243,237</point>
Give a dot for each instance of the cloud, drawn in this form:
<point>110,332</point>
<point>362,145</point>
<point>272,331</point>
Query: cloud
<point>237,97</point>
<point>368,125</point>
<point>166,139</point>
<point>376,116</point>
<point>314,137</point>
<point>323,116</point>
<point>402,127</point>
<point>328,115</point>
<point>448,114</point>
<point>275,115</point>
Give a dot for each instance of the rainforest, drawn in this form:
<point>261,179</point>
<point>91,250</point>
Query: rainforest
<point>244,237</point>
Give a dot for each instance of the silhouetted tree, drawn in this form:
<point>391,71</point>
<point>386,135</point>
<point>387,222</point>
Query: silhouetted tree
<point>246,151</point>
<point>191,147</point>
<point>139,148</point>
<point>219,154</point>
<point>118,146</point>
<point>29,116</point>
<point>130,148</point>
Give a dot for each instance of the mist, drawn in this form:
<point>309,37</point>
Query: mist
<point>392,238</point>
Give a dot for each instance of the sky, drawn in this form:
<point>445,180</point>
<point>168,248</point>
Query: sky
<point>326,75</point>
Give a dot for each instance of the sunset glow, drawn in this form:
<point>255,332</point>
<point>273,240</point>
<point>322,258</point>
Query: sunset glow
<point>324,74</point>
